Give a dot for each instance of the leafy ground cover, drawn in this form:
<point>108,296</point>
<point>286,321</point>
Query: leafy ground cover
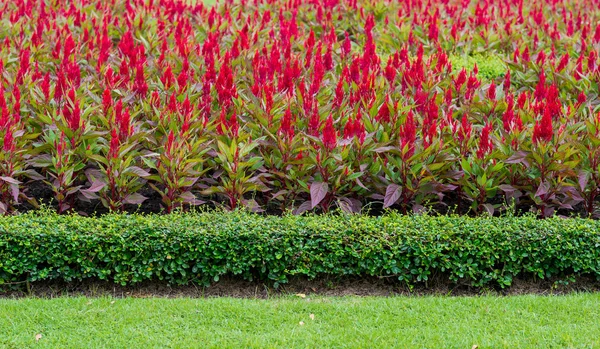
<point>295,322</point>
<point>300,105</point>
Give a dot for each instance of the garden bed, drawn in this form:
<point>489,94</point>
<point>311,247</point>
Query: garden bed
<point>301,106</point>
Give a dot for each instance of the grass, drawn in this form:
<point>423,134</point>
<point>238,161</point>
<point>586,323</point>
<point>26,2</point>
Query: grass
<point>348,322</point>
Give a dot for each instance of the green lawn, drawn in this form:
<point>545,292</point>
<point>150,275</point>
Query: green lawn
<point>350,322</point>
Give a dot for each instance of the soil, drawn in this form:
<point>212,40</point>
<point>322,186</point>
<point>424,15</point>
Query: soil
<point>231,287</point>
<point>42,192</point>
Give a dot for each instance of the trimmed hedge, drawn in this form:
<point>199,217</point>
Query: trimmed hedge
<point>201,247</point>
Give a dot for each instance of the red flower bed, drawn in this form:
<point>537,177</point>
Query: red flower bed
<point>302,105</point>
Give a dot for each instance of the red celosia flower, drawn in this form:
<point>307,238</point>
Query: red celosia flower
<point>186,107</point>
<point>69,46</point>
<point>155,99</point>
<point>182,79</point>
<point>346,46</point>
<point>124,124</point>
<point>383,115</point>
<point>433,31</point>
<point>472,84</point>
<point>72,113</point>
<point>522,100</point>
<point>17,104</point>
<point>592,58</point>
<point>349,128</point>
<point>228,124</point>
<point>408,135</point>
<point>314,122</point>
<point>430,131</point>
<point>106,100</point>
<point>61,148</point>
<point>491,93</point>
<point>507,81</point>
<point>113,151</point>
<point>9,144</point>
<point>508,118</point>
<point>170,142</point>
<point>541,59</point>
<point>76,118</point>
<point>448,98</point>
<point>485,143</point>
<point>286,129</point>
<point>139,85</point>
<point>61,85</point>
<point>359,128</point>
<point>167,78</point>
<point>45,86</point>
<point>525,55</point>
<point>390,72</point>
<point>540,90</point>
<point>464,133</point>
<point>563,62</point>
<point>329,134</point>
<point>355,128</point>
<point>328,59</point>
<point>109,77</point>
<point>553,103</point>
<point>233,124</point>
<point>460,79</point>
<point>124,71</point>
<point>542,131</point>
<point>2,101</point>
<point>581,98</point>
<point>5,119</point>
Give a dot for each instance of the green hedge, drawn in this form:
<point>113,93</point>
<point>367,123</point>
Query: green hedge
<point>201,247</point>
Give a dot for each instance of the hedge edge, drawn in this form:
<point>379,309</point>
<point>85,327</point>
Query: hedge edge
<point>202,247</point>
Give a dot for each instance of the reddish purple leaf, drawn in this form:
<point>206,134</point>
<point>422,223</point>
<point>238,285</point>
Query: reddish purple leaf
<point>138,171</point>
<point>14,188</point>
<point>88,195</point>
<point>517,158</point>
<point>34,175</point>
<point>305,206</point>
<point>189,198</point>
<point>547,211</point>
<point>360,184</point>
<point>10,180</point>
<point>392,194</point>
<point>507,188</point>
<point>418,209</point>
<point>542,189</point>
<point>134,199</point>
<point>349,205</point>
<point>384,149</point>
<point>489,209</point>
<point>279,193</point>
<point>252,205</point>
<point>318,191</point>
<point>95,187</point>
<point>73,190</point>
<point>583,180</point>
